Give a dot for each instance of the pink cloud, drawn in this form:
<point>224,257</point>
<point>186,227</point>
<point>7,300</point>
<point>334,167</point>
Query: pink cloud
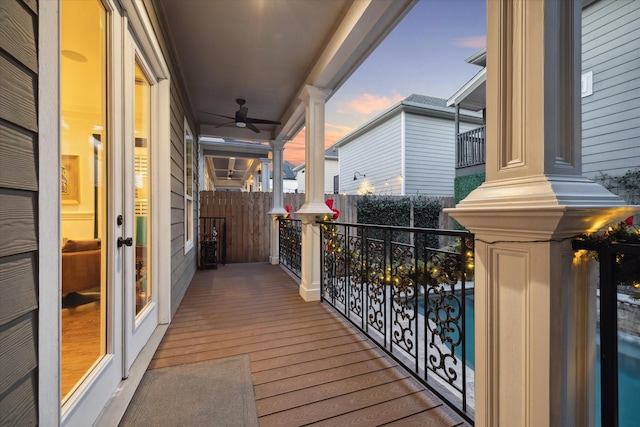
<point>475,42</point>
<point>294,149</point>
<point>369,104</point>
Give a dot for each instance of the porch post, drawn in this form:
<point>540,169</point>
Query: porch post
<point>314,205</point>
<point>265,174</point>
<point>534,357</point>
<point>278,207</point>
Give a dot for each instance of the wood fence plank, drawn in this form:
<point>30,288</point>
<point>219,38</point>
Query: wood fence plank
<point>249,224</point>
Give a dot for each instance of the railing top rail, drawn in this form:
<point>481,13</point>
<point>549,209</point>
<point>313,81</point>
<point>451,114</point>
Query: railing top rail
<point>442,232</point>
<point>616,247</point>
<point>475,130</point>
<point>214,217</point>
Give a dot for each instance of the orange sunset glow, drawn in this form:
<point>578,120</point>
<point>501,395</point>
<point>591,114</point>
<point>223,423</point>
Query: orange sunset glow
<point>357,110</point>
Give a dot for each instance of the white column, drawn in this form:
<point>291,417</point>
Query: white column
<point>314,205</point>
<point>278,201</point>
<point>265,174</point>
<point>534,358</point>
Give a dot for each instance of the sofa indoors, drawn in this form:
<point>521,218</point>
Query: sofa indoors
<point>81,261</point>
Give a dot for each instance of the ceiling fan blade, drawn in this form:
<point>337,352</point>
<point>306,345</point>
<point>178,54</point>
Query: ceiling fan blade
<point>251,126</point>
<point>225,124</point>
<point>263,121</point>
<point>219,115</point>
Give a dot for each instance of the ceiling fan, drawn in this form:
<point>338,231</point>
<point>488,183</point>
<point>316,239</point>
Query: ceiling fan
<point>241,120</point>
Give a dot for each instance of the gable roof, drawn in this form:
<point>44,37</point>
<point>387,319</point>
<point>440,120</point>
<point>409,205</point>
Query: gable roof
<point>330,153</point>
<point>415,104</point>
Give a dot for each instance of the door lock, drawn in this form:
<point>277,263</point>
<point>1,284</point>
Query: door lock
<point>128,241</point>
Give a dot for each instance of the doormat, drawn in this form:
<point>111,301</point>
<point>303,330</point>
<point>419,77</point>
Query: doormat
<point>211,393</point>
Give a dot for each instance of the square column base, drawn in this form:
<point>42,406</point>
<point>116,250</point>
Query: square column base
<point>310,293</point>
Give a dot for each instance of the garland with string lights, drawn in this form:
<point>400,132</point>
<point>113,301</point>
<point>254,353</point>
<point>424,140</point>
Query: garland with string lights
<point>627,265</point>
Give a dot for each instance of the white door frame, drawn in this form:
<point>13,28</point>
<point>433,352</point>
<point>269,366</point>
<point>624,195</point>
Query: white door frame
<point>137,328</point>
<point>50,412</point>
<point>148,44</point>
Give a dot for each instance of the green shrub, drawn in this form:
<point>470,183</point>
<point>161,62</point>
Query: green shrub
<point>382,210</point>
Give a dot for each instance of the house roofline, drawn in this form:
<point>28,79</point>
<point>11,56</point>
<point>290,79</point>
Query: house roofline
<point>303,165</point>
<point>471,86</point>
<point>412,108</point>
<point>479,58</point>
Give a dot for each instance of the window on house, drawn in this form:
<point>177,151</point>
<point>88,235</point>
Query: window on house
<point>188,188</point>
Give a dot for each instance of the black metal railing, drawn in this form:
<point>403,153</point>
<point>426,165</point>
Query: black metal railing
<point>471,148</point>
<point>617,261</point>
<point>213,241</point>
<point>290,244</point>
<point>405,288</point>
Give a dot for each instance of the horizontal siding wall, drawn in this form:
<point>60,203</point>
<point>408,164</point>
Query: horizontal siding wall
<point>611,115</point>
<point>430,154</point>
<point>183,266</point>
<point>376,154</point>
<point>331,169</point>
<point>18,213</point>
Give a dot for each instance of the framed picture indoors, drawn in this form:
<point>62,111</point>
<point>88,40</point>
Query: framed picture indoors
<point>70,179</point>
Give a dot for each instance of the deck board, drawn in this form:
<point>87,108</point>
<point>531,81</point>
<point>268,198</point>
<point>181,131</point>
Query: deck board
<point>309,366</point>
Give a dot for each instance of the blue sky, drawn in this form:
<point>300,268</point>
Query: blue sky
<point>424,54</point>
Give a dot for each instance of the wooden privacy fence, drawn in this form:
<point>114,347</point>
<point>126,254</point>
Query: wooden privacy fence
<point>249,225</point>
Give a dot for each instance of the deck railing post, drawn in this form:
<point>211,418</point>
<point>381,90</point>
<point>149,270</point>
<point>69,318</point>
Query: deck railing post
<point>608,337</point>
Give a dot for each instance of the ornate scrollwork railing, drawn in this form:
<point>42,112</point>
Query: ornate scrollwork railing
<point>290,244</point>
<point>406,289</point>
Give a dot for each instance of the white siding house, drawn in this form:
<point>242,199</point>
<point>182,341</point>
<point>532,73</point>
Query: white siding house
<point>408,149</point>
<point>330,172</point>
<point>611,83</point>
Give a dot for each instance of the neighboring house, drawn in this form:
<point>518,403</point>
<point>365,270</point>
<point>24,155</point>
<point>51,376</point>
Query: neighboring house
<point>610,97</point>
<point>405,150</point>
<point>289,181</point>
<point>331,181</point>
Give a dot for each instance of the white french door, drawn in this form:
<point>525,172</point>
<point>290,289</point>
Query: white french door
<point>140,297</point>
<point>110,150</point>
<point>91,308</point>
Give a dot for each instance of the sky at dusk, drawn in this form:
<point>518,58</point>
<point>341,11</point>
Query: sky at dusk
<point>425,54</point>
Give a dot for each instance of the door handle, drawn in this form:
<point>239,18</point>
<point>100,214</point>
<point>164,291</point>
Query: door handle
<point>128,241</point>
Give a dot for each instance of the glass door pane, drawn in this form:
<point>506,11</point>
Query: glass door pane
<point>83,188</point>
<point>142,191</point>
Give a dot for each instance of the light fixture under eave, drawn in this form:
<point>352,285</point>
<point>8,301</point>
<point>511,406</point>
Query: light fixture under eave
<point>230,175</point>
<point>358,175</point>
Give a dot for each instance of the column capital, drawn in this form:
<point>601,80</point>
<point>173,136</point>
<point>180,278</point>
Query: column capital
<point>539,207</point>
<point>310,92</point>
<point>277,144</point>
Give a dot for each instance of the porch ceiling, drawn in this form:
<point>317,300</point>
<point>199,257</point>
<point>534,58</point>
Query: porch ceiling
<point>266,52</point>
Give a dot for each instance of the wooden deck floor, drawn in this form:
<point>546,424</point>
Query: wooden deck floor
<point>308,365</point>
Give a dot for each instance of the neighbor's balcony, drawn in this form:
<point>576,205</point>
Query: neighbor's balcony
<point>471,148</point>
